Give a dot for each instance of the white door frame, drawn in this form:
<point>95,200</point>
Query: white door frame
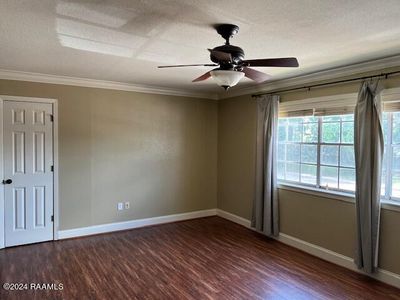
<point>54,103</point>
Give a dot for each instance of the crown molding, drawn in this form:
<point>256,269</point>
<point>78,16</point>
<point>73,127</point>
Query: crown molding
<point>374,65</point>
<point>330,74</point>
<point>102,84</point>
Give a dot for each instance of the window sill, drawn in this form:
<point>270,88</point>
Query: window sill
<point>391,205</point>
<point>345,197</point>
<point>317,192</point>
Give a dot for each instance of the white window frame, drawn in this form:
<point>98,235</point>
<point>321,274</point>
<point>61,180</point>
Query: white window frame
<point>388,95</point>
<point>318,163</point>
<point>389,162</point>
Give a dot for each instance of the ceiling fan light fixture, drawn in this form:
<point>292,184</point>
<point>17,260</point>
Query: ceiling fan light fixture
<point>226,78</point>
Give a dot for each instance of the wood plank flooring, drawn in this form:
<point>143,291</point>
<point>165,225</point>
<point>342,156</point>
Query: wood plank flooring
<point>209,258</point>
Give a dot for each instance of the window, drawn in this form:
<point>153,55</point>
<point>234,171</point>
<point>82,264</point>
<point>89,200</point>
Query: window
<point>390,187</point>
<point>317,151</point>
<point>316,143</point>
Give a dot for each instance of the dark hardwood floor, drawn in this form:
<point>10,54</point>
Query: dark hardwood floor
<point>208,258</point>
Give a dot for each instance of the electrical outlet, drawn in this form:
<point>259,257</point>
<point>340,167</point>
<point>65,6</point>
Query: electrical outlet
<point>120,206</point>
<point>127,205</point>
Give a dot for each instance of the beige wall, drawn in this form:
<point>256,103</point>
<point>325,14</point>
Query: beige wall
<point>158,152</point>
<point>325,222</point>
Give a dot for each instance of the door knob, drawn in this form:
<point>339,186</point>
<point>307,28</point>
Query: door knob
<point>8,181</point>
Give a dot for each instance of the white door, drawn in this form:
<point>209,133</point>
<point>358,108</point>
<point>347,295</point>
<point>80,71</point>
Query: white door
<point>28,176</point>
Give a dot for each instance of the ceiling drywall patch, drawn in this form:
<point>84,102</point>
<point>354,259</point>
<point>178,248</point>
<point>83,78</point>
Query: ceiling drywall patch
<point>93,46</point>
<point>158,51</point>
<point>95,12</point>
<point>94,38</point>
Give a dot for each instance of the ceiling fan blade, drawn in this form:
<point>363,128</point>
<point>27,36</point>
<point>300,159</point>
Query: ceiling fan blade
<point>194,65</point>
<point>202,77</point>
<point>221,56</point>
<point>273,62</point>
<point>255,75</point>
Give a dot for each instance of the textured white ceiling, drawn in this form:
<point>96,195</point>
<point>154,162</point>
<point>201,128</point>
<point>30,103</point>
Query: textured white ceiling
<point>124,40</point>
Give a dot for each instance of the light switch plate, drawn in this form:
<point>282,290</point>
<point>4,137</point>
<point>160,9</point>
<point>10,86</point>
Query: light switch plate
<point>120,206</point>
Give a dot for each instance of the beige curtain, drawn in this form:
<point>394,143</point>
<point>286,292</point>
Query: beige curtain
<point>265,217</point>
<point>368,147</point>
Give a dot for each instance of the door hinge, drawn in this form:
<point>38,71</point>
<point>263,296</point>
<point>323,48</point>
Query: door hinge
<point>51,118</point>
<point>52,168</point>
<point>52,218</point>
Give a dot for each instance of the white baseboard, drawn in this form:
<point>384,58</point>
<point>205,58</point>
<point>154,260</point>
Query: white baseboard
<point>338,259</point>
<point>323,253</point>
<point>234,218</point>
<point>104,228</point>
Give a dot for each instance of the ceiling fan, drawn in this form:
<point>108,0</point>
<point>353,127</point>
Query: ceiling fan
<point>231,65</point>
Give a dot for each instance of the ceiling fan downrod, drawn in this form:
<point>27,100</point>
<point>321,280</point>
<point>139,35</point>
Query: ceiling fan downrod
<point>227,31</point>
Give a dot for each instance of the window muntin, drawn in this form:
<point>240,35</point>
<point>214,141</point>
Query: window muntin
<point>390,187</point>
<point>297,149</point>
<point>319,151</point>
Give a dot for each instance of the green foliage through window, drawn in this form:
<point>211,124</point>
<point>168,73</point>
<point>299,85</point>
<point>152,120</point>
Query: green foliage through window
<point>306,157</point>
<point>319,151</point>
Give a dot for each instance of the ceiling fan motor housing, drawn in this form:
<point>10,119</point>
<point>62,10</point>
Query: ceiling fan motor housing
<point>237,54</point>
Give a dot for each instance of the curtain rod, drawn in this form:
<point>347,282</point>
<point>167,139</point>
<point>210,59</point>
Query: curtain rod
<point>308,87</point>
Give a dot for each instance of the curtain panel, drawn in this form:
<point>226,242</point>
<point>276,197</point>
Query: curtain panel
<point>265,216</point>
<point>368,148</point>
